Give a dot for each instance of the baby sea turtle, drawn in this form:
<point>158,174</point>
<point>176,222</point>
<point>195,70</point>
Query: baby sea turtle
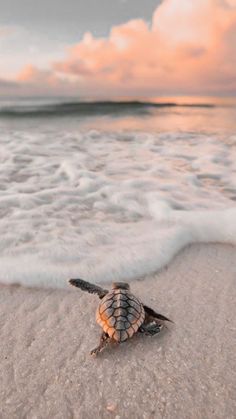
<point>120,313</point>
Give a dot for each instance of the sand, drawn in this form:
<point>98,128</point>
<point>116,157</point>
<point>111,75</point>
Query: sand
<point>188,371</point>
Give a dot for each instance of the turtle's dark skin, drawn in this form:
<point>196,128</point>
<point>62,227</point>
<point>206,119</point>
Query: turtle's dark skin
<point>120,313</point>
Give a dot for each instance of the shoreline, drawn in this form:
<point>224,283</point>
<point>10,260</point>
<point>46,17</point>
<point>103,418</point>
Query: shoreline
<point>188,371</point>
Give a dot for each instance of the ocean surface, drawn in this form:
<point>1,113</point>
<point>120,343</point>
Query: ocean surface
<point>112,190</point>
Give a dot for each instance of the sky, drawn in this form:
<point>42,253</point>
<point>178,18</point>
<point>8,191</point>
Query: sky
<point>117,48</point>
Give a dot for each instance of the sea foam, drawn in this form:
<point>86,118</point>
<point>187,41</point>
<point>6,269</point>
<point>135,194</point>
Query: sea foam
<point>105,206</point>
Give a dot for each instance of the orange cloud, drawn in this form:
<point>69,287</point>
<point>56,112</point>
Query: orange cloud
<point>43,82</point>
<point>190,47</point>
<point>31,74</point>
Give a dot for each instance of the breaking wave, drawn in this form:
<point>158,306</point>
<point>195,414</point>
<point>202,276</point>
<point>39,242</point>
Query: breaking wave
<point>88,108</point>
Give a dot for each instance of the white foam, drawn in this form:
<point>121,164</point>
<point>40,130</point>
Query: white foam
<point>105,206</point>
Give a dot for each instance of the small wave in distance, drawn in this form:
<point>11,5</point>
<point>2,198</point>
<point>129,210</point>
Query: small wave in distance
<point>97,108</point>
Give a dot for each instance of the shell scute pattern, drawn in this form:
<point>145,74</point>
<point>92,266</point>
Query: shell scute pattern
<point>120,325</point>
<point>105,305</point>
<point>108,312</point>
<point>123,318</point>
<point>123,297</point>
<point>111,321</point>
<point>116,304</point>
<point>130,332</point>
<point>132,317</point>
<point>120,314</point>
<point>135,305</point>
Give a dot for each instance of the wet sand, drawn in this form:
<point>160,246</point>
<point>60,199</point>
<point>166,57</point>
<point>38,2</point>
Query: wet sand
<point>187,371</point>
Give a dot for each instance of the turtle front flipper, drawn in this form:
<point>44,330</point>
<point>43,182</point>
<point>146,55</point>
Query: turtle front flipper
<point>104,340</point>
<point>86,286</point>
<point>151,313</point>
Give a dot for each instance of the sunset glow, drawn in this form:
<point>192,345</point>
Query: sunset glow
<point>188,48</point>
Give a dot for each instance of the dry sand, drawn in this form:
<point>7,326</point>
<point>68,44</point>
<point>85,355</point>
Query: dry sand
<point>187,371</point>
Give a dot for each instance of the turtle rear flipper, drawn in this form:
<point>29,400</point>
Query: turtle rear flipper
<point>104,340</point>
<point>150,329</point>
<point>87,286</point>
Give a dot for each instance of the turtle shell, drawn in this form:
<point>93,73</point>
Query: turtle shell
<point>120,314</point>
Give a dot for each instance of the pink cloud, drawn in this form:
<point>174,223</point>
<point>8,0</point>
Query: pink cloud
<point>43,82</point>
<point>31,74</point>
<point>189,48</point>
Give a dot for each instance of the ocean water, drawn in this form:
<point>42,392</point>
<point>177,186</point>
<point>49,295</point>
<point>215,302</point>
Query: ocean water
<point>107,191</point>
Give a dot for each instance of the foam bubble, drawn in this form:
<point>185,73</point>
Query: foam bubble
<point>108,206</point>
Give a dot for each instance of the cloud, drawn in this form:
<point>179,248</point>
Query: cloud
<point>4,31</point>
<point>43,82</point>
<point>189,48</point>
<point>31,74</point>
<point>7,85</point>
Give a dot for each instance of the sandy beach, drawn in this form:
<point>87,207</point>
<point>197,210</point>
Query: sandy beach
<point>188,371</point>
<point>118,164</point>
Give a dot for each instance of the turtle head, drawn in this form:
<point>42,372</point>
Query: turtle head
<point>120,285</point>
